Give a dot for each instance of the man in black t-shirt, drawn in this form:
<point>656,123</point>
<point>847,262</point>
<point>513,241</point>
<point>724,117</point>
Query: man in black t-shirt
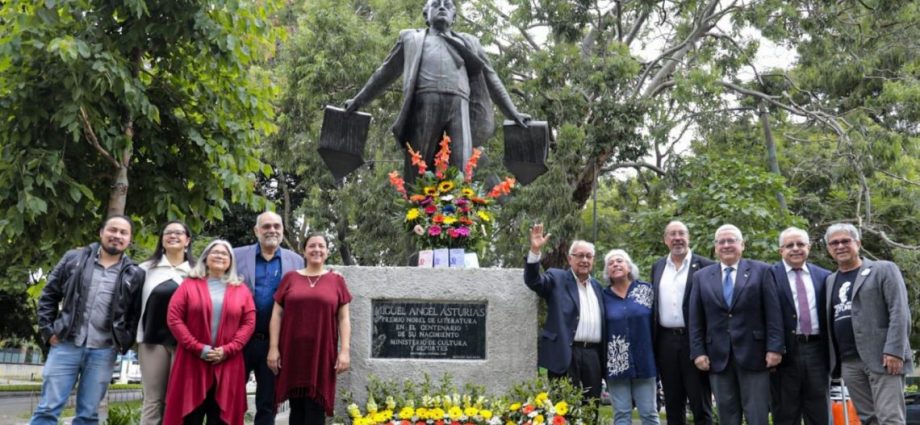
<point>867,307</point>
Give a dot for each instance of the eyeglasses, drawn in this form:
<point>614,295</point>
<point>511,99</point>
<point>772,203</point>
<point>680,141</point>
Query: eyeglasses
<point>726,241</point>
<point>792,245</point>
<point>676,233</point>
<point>218,253</point>
<point>583,255</point>
<point>842,242</point>
<point>174,233</point>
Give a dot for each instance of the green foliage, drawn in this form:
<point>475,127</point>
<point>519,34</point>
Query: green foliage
<point>89,87</point>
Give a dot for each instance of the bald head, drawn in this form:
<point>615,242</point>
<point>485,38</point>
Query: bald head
<point>270,231</point>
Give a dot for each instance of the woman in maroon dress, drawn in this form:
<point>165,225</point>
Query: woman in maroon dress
<point>309,336</point>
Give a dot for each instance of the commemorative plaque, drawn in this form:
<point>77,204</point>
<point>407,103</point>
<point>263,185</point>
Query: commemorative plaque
<point>428,330</point>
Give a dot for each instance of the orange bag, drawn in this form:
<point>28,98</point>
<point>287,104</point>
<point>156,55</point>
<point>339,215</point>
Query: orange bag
<point>837,410</point>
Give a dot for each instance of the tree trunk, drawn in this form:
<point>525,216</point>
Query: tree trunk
<point>119,195</point>
<point>771,151</point>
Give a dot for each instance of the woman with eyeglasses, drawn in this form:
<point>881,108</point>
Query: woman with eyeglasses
<point>166,268</point>
<point>630,370</point>
<point>310,335</point>
<point>212,316</point>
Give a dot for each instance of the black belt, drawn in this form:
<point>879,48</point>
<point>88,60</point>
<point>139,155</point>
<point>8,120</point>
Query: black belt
<point>258,336</point>
<point>807,338</point>
<point>675,331</point>
<point>582,344</point>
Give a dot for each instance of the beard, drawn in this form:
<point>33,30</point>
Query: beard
<point>111,250</point>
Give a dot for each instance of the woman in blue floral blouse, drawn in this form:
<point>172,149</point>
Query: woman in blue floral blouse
<point>630,368</point>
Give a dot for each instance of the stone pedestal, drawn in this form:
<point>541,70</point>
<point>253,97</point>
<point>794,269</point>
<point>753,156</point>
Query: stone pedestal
<point>407,322</point>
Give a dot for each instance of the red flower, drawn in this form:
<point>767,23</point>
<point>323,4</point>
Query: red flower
<point>439,422</point>
<point>431,209</point>
<point>417,160</point>
<point>404,422</point>
<point>442,158</point>
<point>558,420</point>
<point>465,220</point>
<point>398,183</point>
<point>502,188</point>
<point>470,165</point>
<point>438,219</point>
<point>434,231</point>
<point>527,409</point>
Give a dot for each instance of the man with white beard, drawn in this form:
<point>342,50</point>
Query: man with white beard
<point>262,265</point>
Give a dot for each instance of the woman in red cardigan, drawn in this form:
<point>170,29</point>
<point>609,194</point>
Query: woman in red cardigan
<point>212,316</point>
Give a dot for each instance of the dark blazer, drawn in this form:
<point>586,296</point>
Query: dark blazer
<point>246,263</point>
<point>747,329</point>
<point>790,309</point>
<point>881,315</point>
<point>697,262</point>
<point>558,288</point>
<point>404,59</point>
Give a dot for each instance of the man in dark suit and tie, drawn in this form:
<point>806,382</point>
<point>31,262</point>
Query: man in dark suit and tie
<point>680,379</point>
<point>570,341</point>
<point>799,385</point>
<point>736,330</point>
<point>869,324</point>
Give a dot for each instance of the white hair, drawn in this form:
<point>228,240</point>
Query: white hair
<point>841,227</point>
<point>633,270</point>
<point>731,228</point>
<point>579,242</point>
<point>200,270</point>
<point>791,231</point>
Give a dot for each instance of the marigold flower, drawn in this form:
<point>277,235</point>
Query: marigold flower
<point>486,414</point>
<point>539,420</point>
<point>412,214</point>
<point>449,219</point>
<point>454,413</point>
<point>438,218</point>
<point>406,413</point>
<point>514,407</point>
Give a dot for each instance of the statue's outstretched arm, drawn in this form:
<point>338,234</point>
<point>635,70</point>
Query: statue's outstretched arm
<point>386,74</point>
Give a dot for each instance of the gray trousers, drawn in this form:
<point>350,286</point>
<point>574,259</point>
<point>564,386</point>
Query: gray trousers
<point>738,390</point>
<point>878,397</point>
<point>156,361</point>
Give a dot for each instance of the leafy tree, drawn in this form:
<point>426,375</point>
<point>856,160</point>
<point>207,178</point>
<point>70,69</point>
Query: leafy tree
<point>167,96</point>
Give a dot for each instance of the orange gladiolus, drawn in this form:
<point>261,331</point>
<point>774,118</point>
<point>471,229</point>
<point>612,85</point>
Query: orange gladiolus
<point>417,160</point>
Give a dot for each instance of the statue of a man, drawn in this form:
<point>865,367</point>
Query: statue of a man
<point>448,86</point>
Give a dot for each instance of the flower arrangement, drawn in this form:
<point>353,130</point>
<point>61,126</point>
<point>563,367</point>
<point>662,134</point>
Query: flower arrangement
<point>444,207</point>
<point>529,404</point>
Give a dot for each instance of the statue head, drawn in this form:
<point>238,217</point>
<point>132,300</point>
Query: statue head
<point>439,13</point>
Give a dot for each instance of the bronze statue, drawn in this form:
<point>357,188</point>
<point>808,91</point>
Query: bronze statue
<point>448,86</point>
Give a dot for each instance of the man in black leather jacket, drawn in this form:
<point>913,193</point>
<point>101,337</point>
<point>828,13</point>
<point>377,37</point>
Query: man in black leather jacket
<point>88,309</point>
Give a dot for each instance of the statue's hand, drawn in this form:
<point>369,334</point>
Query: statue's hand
<point>351,105</point>
<point>522,120</point>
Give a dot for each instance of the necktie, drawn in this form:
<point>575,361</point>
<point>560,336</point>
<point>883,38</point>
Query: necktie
<point>728,286</point>
<point>802,297</point>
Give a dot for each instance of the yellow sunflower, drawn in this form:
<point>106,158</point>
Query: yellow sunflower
<point>446,186</point>
<point>430,190</point>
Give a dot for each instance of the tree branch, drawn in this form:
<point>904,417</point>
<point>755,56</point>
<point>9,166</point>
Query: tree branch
<point>887,240</point>
<point>93,140</point>
<point>636,165</point>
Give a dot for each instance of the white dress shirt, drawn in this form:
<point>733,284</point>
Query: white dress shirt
<point>809,291</point>
<point>589,320</point>
<point>671,289</point>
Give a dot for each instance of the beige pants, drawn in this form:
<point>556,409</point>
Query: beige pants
<point>156,361</point>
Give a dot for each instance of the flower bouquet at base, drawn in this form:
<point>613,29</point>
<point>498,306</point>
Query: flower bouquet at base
<point>538,402</point>
<point>444,207</point>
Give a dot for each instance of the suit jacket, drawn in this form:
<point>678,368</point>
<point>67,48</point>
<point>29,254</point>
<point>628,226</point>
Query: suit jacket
<point>881,316</point>
<point>790,310</point>
<point>404,59</point>
<point>559,289</point>
<point>697,262</point>
<point>246,263</point>
<point>189,319</point>
<point>747,329</point>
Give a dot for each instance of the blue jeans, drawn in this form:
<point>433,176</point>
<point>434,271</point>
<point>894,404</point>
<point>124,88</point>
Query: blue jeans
<point>624,391</point>
<point>67,362</point>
